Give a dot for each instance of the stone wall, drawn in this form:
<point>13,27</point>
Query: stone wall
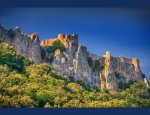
<point>64,39</point>
<point>121,69</point>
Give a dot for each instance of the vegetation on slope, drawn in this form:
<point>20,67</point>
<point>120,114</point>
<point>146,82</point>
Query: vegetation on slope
<point>24,84</point>
<point>11,33</point>
<point>13,60</point>
<point>58,45</point>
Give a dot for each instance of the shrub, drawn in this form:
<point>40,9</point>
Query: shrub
<point>50,48</point>
<point>25,101</point>
<point>90,61</point>
<point>104,90</point>
<point>74,87</point>
<point>102,66</point>
<point>59,76</point>
<point>11,33</point>
<point>130,83</point>
<point>11,58</point>
<point>58,45</point>
<point>139,89</point>
<point>44,97</point>
<point>4,71</point>
<point>97,64</point>
<point>43,53</point>
<point>16,79</point>
<point>52,82</point>
<point>38,70</point>
<point>122,85</point>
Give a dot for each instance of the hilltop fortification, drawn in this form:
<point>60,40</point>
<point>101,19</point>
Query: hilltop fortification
<point>75,61</point>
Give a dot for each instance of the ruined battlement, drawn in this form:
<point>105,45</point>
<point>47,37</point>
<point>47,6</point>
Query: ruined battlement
<point>63,38</point>
<point>47,42</point>
<point>133,61</point>
<point>123,60</point>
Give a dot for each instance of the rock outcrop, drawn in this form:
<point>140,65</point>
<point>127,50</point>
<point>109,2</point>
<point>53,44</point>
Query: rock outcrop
<point>120,69</point>
<point>28,45</point>
<point>75,61</point>
<point>101,72</point>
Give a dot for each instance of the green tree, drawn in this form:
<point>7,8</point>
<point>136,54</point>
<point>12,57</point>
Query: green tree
<point>11,33</point>
<point>43,97</point>
<point>36,70</point>
<point>11,58</point>
<point>58,45</point>
<point>122,85</point>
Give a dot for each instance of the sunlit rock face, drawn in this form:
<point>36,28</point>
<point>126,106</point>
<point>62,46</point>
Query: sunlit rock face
<point>72,62</point>
<point>28,45</point>
<point>120,69</point>
<point>75,61</point>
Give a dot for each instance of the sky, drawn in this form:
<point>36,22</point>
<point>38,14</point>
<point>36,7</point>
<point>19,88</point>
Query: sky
<point>122,31</point>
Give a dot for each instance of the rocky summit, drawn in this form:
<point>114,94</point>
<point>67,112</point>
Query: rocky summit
<point>73,60</point>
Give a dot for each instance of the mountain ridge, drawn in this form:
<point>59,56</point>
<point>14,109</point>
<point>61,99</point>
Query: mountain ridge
<point>75,61</point>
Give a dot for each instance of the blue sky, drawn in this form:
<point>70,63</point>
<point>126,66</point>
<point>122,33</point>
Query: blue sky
<point>124,32</point>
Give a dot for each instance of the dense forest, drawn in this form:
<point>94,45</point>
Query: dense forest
<point>25,84</point>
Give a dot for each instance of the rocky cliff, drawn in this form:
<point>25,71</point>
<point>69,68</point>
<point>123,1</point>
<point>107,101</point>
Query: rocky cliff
<point>75,61</point>
<point>120,69</point>
<point>28,45</point>
<point>102,72</point>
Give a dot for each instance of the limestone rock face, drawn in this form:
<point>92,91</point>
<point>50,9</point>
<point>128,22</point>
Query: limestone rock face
<point>104,72</point>
<point>121,69</point>
<point>28,45</point>
<point>75,61</point>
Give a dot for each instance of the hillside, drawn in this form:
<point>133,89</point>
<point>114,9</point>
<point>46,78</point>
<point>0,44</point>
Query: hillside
<point>25,84</point>
<point>67,56</point>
